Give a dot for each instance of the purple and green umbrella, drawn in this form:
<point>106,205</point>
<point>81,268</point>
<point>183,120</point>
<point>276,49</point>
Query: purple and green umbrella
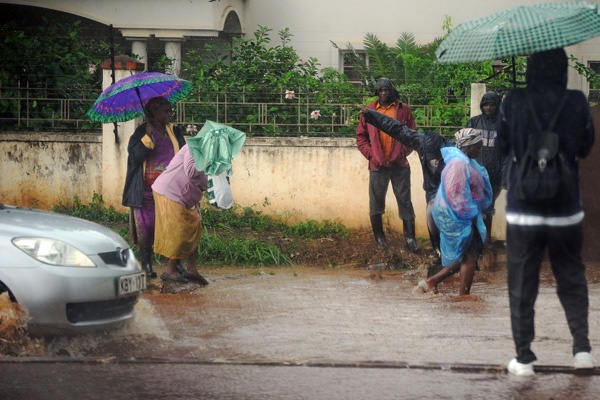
<point>124,100</point>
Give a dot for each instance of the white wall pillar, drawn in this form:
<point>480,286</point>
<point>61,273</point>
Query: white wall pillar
<point>114,154</point>
<point>173,51</point>
<point>477,92</point>
<point>139,47</point>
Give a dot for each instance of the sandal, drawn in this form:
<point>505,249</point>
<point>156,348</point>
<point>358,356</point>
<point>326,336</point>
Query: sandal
<point>167,277</point>
<point>422,287</point>
<point>180,268</point>
<point>196,278</point>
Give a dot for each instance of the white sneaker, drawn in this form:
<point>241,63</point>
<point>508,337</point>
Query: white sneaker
<point>516,368</point>
<point>583,360</point>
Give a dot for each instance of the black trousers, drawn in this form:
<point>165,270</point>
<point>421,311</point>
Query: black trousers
<point>379,181</point>
<point>525,250</point>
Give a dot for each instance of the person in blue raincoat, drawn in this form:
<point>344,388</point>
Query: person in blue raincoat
<point>464,191</point>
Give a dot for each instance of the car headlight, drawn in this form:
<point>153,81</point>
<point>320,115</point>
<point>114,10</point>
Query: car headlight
<point>53,252</point>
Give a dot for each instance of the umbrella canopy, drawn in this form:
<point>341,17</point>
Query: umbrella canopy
<point>521,31</point>
<point>125,99</point>
<point>214,147</point>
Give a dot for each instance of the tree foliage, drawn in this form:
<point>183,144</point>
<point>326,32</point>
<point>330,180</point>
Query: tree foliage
<point>51,55</point>
<point>431,88</point>
<point>53,60</point>
<point>255,71</point>
<point>260,70</point>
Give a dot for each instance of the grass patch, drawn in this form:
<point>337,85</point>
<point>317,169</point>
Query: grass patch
<point>317,229</point>
<point>230,237</point>
<point>238,250</point>
<point>95,211</point>
<point>247,218</point>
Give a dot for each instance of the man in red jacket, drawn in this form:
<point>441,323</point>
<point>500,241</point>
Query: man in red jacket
<point>388,163</point>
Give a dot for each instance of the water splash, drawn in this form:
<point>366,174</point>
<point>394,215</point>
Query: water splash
<point>14,340</point>
<point>144,328</point>
<point>146,322</point>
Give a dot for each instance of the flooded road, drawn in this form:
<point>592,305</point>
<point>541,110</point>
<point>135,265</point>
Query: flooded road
<point>310,314</point>
<point>307,332</point>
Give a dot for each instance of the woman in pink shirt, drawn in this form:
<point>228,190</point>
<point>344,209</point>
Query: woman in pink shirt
<point>177,194</point>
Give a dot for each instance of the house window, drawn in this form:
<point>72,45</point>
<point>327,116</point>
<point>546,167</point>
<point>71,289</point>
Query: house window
<point>594,93</point>
<point>348,64</point>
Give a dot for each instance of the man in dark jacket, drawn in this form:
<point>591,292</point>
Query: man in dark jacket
<point>428,145</point>
<point>489,159</point>
<point>555,225</point>
<point>388,163</point>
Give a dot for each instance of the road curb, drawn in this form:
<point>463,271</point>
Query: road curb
<point>456,367</point>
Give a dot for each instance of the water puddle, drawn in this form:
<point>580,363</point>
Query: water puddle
<point>304,313</point>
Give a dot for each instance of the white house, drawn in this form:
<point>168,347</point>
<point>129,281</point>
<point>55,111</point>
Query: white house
<point>314,24</point>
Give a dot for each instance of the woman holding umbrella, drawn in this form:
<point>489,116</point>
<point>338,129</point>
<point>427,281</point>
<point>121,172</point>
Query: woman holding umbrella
<point>151,148</point>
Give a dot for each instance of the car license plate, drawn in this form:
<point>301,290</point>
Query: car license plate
<point>131,284</point>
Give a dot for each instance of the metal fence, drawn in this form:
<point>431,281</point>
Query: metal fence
<point>41,109</point>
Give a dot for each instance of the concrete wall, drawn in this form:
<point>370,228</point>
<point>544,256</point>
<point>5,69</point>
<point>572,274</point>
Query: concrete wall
<point>296,178</point>
<point>41,170</point>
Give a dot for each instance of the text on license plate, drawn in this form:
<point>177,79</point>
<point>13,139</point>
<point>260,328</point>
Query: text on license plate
<point>131,284</point>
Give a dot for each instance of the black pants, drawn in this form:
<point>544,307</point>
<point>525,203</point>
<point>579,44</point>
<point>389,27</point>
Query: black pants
<point>525,250</point>
<point>379,182</point>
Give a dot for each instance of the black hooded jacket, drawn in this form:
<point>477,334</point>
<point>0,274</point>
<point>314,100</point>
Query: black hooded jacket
<point>386,82</point>
<point>546,85</point>
<point>490,159</point>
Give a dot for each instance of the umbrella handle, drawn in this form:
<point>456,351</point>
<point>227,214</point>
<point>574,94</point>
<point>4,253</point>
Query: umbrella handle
<point>137,91</point>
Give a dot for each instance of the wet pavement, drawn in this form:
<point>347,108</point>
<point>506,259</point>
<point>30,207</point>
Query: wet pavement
<point>312,333</point>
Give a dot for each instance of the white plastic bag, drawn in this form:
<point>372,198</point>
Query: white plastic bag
<point>219,191</point>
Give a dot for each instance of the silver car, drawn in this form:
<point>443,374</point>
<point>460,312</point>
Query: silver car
<point>71,275</point>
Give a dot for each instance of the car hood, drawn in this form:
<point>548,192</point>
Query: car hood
<point>89,237</point>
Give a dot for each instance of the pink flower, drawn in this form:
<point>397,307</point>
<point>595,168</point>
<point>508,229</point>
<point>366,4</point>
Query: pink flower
<point>91,68</point>
<point>315,114</point>
<point>289,94</point>
<point>300,61</point>
<point>191,129</point>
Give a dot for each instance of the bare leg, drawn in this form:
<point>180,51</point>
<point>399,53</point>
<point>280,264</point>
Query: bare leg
<point>444,273</point>
<point>171,268</point>
<point>192,269</point>
<point>467,272</point>
<point>192,264</point>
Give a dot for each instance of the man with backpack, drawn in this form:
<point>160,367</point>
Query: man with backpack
<point>552,221</point>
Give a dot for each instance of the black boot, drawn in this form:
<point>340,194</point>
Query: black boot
<point>487,220</point>
<point>435,244</point>
<point>377,225</point>
<point>409,235</point>
<point>146,255</point>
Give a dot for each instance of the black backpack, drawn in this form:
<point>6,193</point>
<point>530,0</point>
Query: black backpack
<point>543,172</point>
